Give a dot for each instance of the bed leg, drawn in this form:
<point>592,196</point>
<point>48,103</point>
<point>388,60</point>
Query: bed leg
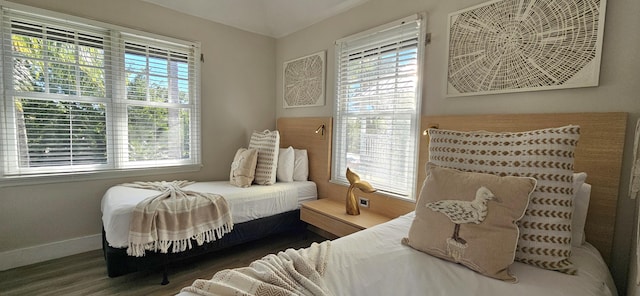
<point>165,270</point>
<point>165,277</point>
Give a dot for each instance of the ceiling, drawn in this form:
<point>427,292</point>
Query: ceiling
<point>274,18</point>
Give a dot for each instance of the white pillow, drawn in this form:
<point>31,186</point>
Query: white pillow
<point>578,180</point>
<point>285,165</point>
<point>267,143</point>
<point>300,165</point>
<point>580,207</point>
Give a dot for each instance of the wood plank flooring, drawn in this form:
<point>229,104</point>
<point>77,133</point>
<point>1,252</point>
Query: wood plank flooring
<point>86,273</point>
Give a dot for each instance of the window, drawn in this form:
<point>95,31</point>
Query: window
<point>377,110</point>
<point>80,97</point>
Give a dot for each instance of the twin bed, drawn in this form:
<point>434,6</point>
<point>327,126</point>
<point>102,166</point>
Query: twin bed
<point>246,204</point>
<point>258,211</point>
<point>376,262</point>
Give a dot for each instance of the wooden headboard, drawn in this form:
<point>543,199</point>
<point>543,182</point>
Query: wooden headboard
<point>599,154</point>
<point>300,133</point>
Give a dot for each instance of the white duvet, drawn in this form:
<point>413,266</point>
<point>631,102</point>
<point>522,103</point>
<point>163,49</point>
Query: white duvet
<point>246,204</point>
<point>374,262</point>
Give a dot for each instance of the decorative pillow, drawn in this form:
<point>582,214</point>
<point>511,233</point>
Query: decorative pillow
<point>470,218</point>
<point>581,207</point>
<point>578,180</point>
<point>546,155</point>
<point>243,167</point>
<point>300,165</point>
<point>284,172</point>
<point>576,230</point>
<point>268,144</point>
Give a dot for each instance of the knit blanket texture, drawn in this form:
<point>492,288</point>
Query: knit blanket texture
<point>171,220</point>
<point>291,272</point>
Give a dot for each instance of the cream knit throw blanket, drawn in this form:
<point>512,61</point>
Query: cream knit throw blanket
<point>292,272</point>
<point>174,217</point>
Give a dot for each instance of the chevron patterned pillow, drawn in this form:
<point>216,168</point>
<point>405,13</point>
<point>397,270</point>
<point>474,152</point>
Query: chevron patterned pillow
<point>546,155</point>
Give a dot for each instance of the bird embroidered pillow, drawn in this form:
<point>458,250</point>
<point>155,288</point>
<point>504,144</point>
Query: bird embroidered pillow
<point>544,154</point>
<point>470,218</point>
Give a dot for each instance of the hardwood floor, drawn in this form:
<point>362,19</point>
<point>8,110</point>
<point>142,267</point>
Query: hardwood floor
<point>86,273</point>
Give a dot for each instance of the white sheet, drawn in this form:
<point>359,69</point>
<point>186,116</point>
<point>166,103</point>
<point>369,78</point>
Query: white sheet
<point>373,262</point>
<point>246,204</point>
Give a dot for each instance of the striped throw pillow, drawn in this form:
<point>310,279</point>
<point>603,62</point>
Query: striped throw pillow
<point>546,155</point>
<point>268,144</point>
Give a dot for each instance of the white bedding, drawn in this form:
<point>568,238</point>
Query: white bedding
<point>246,204</point>
<point>373,262</point>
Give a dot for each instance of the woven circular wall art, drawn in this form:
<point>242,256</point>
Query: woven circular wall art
<point>523,45</point>
<point>304,81</point>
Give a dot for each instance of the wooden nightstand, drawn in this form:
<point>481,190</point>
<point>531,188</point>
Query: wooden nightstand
<point>331,216</point>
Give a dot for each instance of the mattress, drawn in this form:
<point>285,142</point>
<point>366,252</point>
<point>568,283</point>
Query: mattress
<point>374,262</point>
<point>246,204</point>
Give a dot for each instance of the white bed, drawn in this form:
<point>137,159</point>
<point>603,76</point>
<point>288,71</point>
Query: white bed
<point>245,203</point>
<point>374,262</point>
<point>257,211</point>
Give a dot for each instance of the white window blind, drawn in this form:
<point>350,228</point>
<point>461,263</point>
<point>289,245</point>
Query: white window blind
<point>377,108</point>
<point>81,97</point>
<point>159,108</point>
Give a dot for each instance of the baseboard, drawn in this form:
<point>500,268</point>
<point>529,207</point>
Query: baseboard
<point>21,257</point>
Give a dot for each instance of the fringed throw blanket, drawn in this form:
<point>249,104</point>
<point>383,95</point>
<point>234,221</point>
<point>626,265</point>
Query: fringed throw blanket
<point>292,272</point>
<point>174,217</point>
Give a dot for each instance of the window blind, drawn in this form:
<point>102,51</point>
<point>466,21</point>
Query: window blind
<point>159,108</point>
<point>80,97</point>
<point>378,106</point>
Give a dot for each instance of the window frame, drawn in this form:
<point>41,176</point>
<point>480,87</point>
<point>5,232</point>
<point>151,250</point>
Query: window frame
<point>337,173</point>
<point>114,100</point>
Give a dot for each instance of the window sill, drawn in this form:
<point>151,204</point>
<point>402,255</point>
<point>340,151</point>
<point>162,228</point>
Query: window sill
<point>87,176</point>
<point>379,192</point>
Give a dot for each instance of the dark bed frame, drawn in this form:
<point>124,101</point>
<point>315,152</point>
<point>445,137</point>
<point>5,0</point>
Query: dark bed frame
<point>119,263</point>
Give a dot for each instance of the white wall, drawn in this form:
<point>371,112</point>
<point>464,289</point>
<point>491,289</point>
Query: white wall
<point>619,88</point>
<point>237,97</point>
